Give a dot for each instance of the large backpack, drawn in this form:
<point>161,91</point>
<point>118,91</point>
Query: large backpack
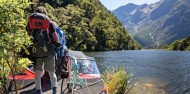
<point>61,35</point>
<point>41,37</point>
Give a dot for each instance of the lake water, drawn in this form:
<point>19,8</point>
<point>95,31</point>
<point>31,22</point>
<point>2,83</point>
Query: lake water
<point>154,71</point>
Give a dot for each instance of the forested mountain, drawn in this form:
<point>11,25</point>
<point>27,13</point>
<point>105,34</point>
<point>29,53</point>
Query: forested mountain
<point>156,24</point>
<point>183,44</point>
<point>88,25</point>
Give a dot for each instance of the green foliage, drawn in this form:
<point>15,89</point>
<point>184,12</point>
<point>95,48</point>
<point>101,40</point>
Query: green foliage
<point>116,80</point>
<point>58,3</point>
<point>181,45</point>
<point>13,37</point>
<point>89,26</point>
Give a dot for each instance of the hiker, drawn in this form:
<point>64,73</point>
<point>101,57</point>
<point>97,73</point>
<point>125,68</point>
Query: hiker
<point>45,40</point>
<point>61,53</point>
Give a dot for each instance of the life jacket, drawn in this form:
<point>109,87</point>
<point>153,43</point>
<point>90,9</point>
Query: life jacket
<point>39,30</point>
<point>61,35</point>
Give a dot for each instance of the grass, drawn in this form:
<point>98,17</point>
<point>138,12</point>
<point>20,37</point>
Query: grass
<point>117,80</point>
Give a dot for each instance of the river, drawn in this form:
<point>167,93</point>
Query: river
<point>154,71</point>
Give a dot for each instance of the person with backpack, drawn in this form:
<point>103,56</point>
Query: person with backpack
<point>45,41</point>
<point>61,52</point>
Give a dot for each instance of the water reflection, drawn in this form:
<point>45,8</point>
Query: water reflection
<point>156,71</point>
<point>148,86</point>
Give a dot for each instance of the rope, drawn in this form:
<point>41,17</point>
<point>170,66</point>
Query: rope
<point>88,87</point>
<point>74,75</point>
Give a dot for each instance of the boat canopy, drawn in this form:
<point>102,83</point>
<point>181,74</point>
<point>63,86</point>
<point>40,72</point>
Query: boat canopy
<point>85,64</point>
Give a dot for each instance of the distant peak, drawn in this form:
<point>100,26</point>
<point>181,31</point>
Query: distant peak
<point>131,4</point>
<point>144,5</point>
<point>127,6</point>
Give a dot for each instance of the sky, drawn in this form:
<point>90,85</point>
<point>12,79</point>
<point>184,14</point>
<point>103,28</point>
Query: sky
<point>113,4</point>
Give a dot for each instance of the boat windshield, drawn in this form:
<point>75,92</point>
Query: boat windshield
<point>87,66</point>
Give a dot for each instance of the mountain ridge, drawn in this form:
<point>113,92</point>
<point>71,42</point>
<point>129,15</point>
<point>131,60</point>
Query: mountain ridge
<point>157,24</point>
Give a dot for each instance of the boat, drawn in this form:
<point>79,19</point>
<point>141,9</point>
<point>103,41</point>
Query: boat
<point>83,77</point>
<point>23,79</point>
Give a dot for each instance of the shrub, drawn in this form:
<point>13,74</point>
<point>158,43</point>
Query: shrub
<point>13,37</point>
<point>116,80</point>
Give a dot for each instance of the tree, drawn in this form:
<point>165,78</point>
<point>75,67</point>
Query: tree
<point>89,26</point>
<point>13,37</point>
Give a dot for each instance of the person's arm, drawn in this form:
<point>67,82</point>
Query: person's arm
<point>52,29</point>
<point>55,37</point>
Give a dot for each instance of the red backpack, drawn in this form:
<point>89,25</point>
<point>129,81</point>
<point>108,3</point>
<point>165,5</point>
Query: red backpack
<point>39,21</point>
<point>41,37</point>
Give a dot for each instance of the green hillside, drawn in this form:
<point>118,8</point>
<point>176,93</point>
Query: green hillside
<point>181,45</point>
<point>88,25</point>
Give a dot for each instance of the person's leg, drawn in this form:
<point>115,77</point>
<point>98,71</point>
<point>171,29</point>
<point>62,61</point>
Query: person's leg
<point>49,65</point>
<point>53,79</point>
<point>38,68</point>
<point>38,81</point>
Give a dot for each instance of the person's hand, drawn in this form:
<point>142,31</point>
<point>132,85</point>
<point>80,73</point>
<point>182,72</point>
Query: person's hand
<point>57,44</point>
